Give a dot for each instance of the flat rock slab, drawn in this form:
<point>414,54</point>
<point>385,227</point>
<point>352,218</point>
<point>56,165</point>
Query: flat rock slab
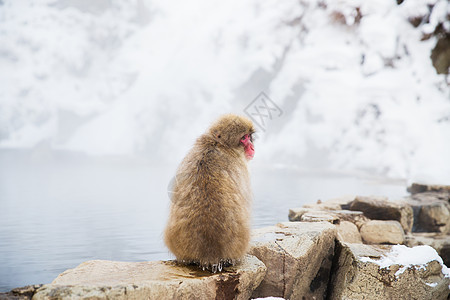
<point>99,279</point>
<point>383,272</point>
<point>305,214</point>
<point>298,256</point>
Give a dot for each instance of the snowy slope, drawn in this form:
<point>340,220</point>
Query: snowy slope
<point>353,79</point>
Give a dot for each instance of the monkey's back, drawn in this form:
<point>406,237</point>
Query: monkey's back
<point>209,218</point>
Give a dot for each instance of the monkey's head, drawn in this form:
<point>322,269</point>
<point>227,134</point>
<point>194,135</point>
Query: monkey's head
<point>234,131</point>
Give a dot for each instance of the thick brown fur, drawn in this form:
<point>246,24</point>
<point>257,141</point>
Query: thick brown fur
<point>209,221</point>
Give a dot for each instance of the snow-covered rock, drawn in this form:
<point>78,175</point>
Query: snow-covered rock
<point>441,243</point>
<point>388,272</point>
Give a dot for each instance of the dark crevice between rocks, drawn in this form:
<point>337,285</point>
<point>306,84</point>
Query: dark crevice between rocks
<point>284,269</point>
<point>226,287</point>
<point>416,212</point>
<point>323,275</point>
<point>333,269</point>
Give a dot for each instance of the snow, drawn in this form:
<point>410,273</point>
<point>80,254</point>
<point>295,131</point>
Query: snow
<point>269,236</point>
<point>406,257</point>
<point>353,78</point>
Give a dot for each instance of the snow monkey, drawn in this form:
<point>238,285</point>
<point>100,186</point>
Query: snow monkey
<point>209,221</point>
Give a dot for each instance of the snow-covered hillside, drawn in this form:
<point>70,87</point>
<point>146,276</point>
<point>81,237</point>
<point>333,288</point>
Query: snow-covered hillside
<point>353,79</point>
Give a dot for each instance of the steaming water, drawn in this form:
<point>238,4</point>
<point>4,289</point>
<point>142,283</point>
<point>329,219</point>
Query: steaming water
<point>58,210</point>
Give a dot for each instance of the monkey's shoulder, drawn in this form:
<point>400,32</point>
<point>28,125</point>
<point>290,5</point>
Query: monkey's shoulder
<point>210,156</point>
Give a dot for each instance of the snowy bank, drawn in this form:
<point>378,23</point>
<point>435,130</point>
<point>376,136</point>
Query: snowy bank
<point>354,79</point>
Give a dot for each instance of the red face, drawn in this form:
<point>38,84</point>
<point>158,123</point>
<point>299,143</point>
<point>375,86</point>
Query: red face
<point>246,140</point>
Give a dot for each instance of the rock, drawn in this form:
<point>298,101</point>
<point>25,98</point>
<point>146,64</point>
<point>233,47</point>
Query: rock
<point>22,293</point>
<point>298,257</point>
<point>431,212</point>
<point>339,203</point>
<point>440,55</point>
<point>153,280</point>
<point>379,272</point>
<point>319,216</point>
<point>435,217</point>
<point>334,216</point>
<point>420,188</point>
<point>441,243</point>
<point>348,232</point>
<point>379,208</point>
<point>382,232</point>
<point>310,215</point>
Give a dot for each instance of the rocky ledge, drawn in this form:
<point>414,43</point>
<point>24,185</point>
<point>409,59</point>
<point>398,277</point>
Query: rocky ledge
<point>351,247</point>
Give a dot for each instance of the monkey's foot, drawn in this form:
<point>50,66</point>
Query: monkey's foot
<point>213,268</point>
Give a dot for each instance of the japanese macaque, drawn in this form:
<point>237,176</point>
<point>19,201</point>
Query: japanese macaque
<point>209,221</point>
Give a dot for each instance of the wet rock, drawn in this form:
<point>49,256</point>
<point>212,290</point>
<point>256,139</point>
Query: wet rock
<point>382,232</point>
<point>153,280</point>
<point>379,208</point>
<point>441,243</point>
<point>298,257</point>
<point>348,232</point>
<point>361,272</point>
<point>22,293</point>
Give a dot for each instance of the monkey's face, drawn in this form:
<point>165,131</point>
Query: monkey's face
<point>247,143</point>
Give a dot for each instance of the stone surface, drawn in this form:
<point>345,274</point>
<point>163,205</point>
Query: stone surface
<point>332,216</point>
<point>438,241</point>
<point>379,208</point>
<point>339,203</point>
<point>22,293</point>
<point>348,232</point>
<point>354,277</point>
<point>319,216</point>
<point>382,232</point>
<point>154,280</point>
<point>435,217</point>
<point>298,257</point>
<point>420,188</point>
<point>431,212</point>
